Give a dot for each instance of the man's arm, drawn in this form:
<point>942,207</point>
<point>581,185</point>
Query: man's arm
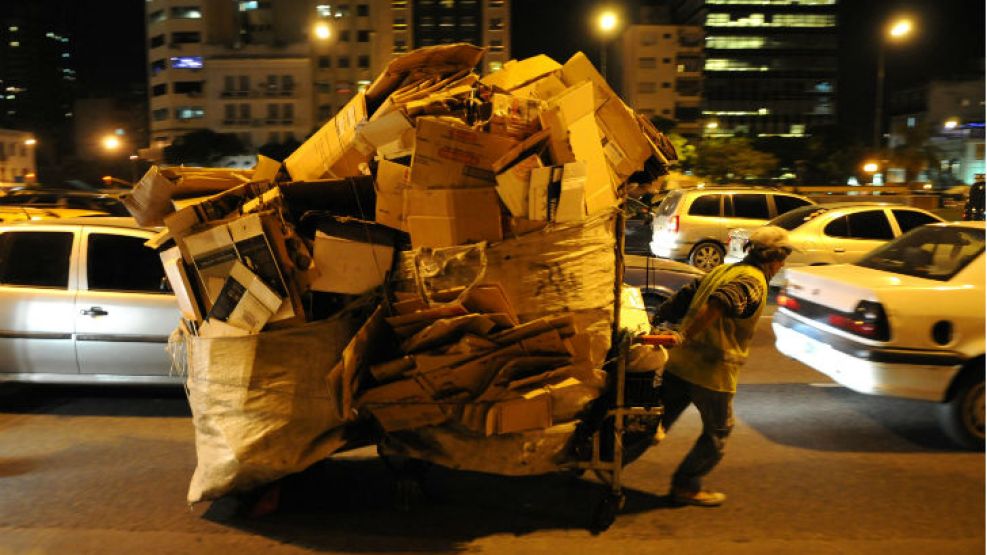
<point>712,310</point>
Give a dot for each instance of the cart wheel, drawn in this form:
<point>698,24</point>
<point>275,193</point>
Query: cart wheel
<point>606,511</point>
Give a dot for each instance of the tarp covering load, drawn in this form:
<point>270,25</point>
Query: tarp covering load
<point>434,270</point>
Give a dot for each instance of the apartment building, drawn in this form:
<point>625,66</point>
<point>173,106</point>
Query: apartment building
<point>274,70</point>
<point>17,163</point>
<point>770,67</point>
<point>661,73</point>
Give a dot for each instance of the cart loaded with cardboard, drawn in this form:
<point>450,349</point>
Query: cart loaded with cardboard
<point>437,270</point>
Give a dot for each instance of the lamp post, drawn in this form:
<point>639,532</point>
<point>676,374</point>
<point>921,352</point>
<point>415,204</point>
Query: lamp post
<point>606,23</point>
<point>896,31</point>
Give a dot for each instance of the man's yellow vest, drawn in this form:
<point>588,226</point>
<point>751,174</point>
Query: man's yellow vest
<point>712,359</point>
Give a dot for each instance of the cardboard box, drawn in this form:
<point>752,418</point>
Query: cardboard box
<point>181,285</point>
<point>516,73</point>
<point>450,155</point>
<point>387,134</point>
<point>532,411</point>
<point>572,196</point>
<point>544,88</point>
<point>449,217</point>
<point>513,185</point>
<point>213,253</point>
<point>150,200</point>
<point>261,248</point>
<point>544,192</point>
<point>625,145</point>
<point>266,169</point>
<point>245,301</point>
<point>333,150</point>
<point>401,405</point>
<point>352,256</point>
<point>514,116</point>
<point>390,183</point>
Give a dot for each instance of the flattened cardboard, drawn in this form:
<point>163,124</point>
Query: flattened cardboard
<point>514,116</point>
<point>514,183</point>
<point>257,248</point>
<point>542,89</point>
<point>333,150</point>
<point>181,284</point>
<point>391,181</point>
<point>266,169</point>
<point>245,301</point>
<point>213,254</point>
<point>352,258</point>
<point>447,330</point>
<point>449,155</point>
<point>516,73</point>
<point>489,298</point>
<point>401,405</point>
<point>572,196</point>
<point>532,411</point>
<point>450,217</point>
<point>150,200</point>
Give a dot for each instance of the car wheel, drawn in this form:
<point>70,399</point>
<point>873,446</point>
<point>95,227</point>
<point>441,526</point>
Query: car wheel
<point>962,416</point>
<point>706,256</point>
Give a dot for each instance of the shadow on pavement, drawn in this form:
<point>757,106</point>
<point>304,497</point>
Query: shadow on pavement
<point>838,419</point>
<point>349,505</point>
<point>90,400</point>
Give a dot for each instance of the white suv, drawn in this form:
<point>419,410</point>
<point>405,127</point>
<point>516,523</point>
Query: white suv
<point>693,224</point>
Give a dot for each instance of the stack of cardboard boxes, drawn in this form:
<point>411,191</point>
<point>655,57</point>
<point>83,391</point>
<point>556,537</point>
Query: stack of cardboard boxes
<point>430,158</point>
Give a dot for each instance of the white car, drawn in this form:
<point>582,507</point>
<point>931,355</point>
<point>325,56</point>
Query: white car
<point>83,301</point>
<point>836,233</point>
<point>907,320</point>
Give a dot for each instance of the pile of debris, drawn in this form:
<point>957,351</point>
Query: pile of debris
<point>437,265</point>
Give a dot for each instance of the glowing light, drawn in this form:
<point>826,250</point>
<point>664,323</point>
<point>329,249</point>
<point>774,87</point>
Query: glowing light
<point>30,142</point>
<point>951,124</point>
<point>607,21</point>
<point>322,31</point>
<point>870,167</point>
<point>900,29</point>
<point>111,142</point>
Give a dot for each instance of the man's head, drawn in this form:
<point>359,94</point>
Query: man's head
<point>768,246</point>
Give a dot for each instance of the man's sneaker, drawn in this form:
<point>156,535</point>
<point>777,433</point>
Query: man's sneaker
<point>698,498</point>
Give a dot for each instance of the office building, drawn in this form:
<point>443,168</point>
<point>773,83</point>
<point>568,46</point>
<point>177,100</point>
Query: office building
<point>272,71</point>
<point>661,73</point>
<point>770,66</point>
<point>37,78</point>
<point>17,164</point>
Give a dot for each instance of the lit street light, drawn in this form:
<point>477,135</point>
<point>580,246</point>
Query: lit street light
<point>322,31</point>
<point>606,23</point>
<point>896,31</point>
<point>870,167</point>
<point>111,143</point>
<point>30,142</point>
<point>950,124</point>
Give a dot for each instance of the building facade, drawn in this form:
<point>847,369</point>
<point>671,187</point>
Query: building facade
<point>770,67</point>
<point>947,116</point>
<point>271,71</point>
<point>17,163</point>
<point>661,73</point>
<point>37,75</point>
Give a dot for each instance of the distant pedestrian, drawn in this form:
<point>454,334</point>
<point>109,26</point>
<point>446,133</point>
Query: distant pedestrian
<point>718,315</point>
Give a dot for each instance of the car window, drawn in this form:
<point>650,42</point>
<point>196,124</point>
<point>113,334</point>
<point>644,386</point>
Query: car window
<point>785,203</point>
<point>910,219</point>
<point>791,220</point>
<point>668,204</point>
<point>837,228</point>
<point>930,252</point>
<point>35,258</point>
<point>751,206</point>
<point>123,263</point>
<point>705,205</point>
<point>870,224</point>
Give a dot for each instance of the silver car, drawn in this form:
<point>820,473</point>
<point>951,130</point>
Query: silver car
<point>83,301</point>
<point>692,224</point>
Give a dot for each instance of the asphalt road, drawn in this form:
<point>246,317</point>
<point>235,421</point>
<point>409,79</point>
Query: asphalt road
<point>810,468</point>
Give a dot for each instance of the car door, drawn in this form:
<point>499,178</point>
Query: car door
<point>747,210</point>
<point>37,300</point>
<point>910,219</point>
<point>855,234</point>
<point>124,309</point>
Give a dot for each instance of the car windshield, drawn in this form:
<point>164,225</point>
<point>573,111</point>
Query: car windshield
<point>791,220</point>
<point>930,251</point>
<point>668,204</point>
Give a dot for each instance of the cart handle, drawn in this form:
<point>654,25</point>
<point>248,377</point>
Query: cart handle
<point>664,340</point>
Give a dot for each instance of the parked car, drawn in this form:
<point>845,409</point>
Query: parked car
<point>906,320</point>
<point>658,278</point>
<point>693,224</point>
<point>836,233</point>
<point>83,301</point>
<point>973,209</point>
<point>62,199</point>
<point>10,214</point>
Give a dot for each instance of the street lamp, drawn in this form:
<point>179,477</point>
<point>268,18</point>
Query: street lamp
<point>322,31</point>
<point>898,30</point>
<point>607,22</point>
<point>110,143</point>
<point>950,124</point>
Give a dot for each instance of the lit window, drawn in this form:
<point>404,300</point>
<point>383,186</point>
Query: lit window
<point>735,43</point>
<point>910,122</point>
<point>186,12</point>
<point>775,20</point>
<point>13,29</point>
<point>324,10</point>
<point>189,112</point>
<point>494,66</point>
<point>186,62</point>
<point>248,5</point>
<point>496,45</point>
<point>14,44</point>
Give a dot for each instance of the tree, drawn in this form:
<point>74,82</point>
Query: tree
<point>686,151</point>
<point>279,151</point>
<point>663,124</point>
<point>916,154</point>
<point>203,147</point>
<point>732,159</point>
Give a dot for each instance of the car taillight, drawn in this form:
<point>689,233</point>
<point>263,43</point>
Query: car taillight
<point>867,320</point>
<point>791,303</point>
<point>673,224</point>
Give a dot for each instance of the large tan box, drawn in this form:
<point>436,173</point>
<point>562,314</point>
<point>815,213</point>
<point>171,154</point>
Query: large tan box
<point>516,73</point>
<point>352,257</point>
<point>450,217</point>
<point>391,181</point>
<point>532,411</point>
<point>333,151</point>
<point>450,155</point>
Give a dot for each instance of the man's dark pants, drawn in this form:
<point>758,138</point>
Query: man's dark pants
<point>716,411</point>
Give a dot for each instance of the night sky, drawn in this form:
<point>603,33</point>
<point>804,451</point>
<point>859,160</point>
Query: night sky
<point>109,39</point>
